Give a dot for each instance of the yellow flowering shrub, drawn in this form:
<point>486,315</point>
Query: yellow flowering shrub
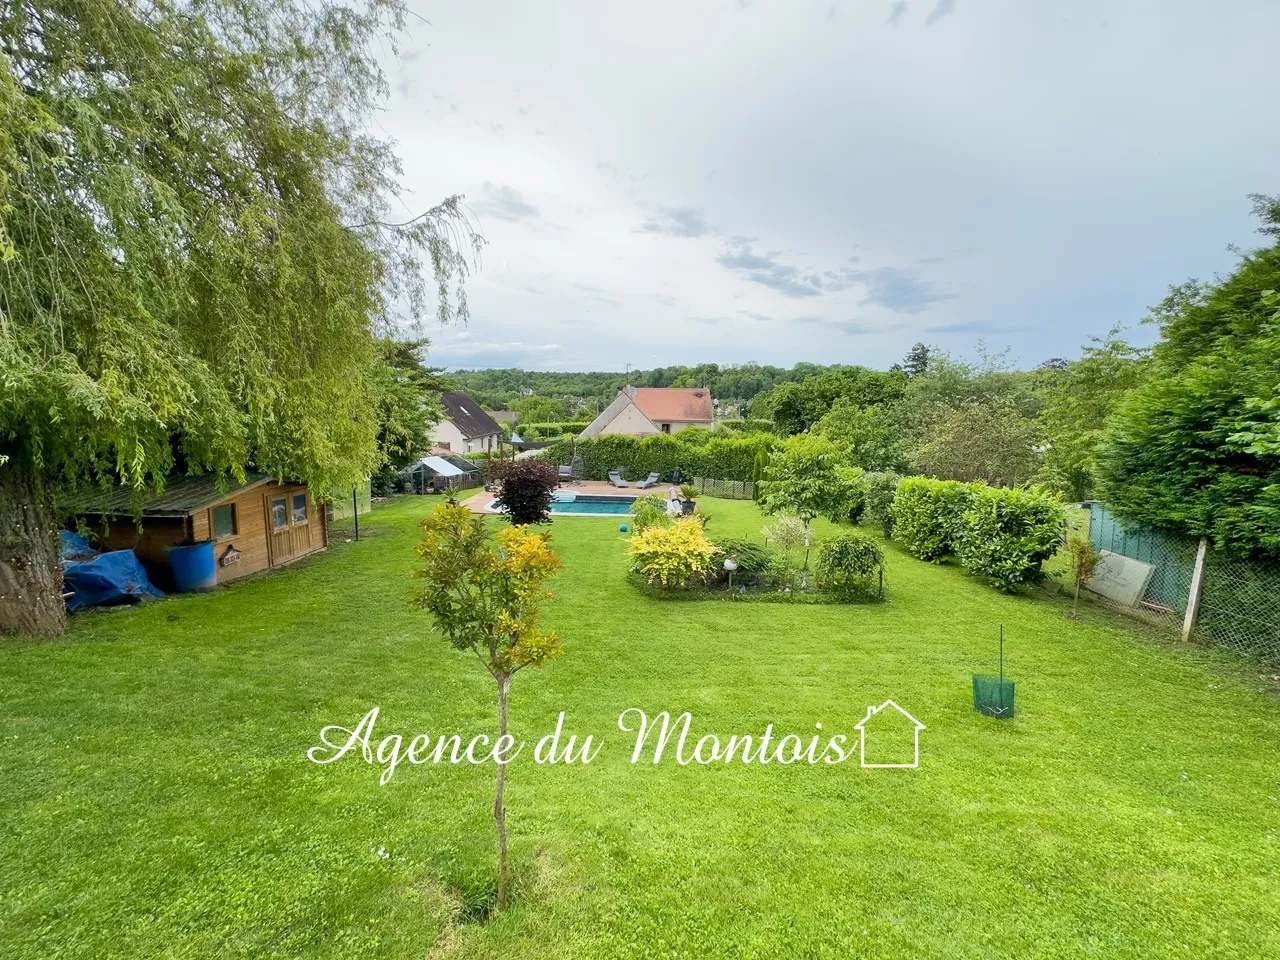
<point>672,556</point>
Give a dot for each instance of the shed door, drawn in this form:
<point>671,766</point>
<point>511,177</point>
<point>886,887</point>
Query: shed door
<point>291,525</point>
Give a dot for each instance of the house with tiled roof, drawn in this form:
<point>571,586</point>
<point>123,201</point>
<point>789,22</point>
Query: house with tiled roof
<point>642,411</point>
<point>466,428</point>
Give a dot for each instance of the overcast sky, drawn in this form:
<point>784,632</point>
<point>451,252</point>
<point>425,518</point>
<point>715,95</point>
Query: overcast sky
<point>780,180</point>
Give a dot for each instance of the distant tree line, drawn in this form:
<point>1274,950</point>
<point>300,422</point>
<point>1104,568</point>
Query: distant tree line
<point>504,389</point>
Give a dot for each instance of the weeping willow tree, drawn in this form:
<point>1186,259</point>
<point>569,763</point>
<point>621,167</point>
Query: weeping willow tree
<point>199,246</point>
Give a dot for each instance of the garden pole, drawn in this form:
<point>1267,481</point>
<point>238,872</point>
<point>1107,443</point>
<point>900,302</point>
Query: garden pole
<point>355,512</point>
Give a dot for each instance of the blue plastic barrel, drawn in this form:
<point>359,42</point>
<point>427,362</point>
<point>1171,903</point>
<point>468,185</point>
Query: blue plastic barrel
<point>194,568</point>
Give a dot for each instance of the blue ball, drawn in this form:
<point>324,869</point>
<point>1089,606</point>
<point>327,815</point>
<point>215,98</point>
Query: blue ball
<point>623,528</point>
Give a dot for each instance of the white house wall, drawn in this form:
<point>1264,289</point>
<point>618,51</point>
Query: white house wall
<point>630,422</point>
<point>447,432</point>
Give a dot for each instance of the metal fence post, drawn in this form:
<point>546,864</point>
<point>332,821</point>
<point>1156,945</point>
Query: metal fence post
<point>1197,589</point>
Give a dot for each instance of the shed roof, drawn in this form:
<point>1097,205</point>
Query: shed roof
<point>445,465</point>
<point>180,496</point>
<point>467,416</point>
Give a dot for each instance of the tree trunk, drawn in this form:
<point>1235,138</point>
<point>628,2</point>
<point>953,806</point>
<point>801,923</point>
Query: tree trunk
<point>499,810</point>
<point>30,571</point>
<point>1075,604</point>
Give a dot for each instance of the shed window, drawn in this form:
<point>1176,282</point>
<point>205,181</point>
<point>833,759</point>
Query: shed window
<point>224,520</point>
<point>279,513</point>
<point>299,508</point>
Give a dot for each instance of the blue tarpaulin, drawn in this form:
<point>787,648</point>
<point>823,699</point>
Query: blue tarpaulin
<point>72,546</point>
<point>114,577</point>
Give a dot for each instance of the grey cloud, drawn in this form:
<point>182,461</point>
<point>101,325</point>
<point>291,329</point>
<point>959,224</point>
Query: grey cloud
<point>850,328</point>
<point>677,222</point>
<point>506,203</point>
<point>943,8</point>
<point>665,300</point>
<point>494,353</point>
<point>897,288</point>
<point>766,270</point>
<point>896,12</point>
<point>595,293</point>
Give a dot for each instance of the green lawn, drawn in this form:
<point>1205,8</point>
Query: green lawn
<point>157,800</point>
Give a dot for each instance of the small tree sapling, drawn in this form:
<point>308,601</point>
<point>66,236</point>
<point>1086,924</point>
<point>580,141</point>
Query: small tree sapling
<point>1082,560</point>
<point>484,592</point>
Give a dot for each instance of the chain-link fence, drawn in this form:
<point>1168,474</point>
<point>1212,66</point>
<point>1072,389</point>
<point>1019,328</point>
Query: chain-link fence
<point>1239,601</point>
<point>1240,607</point>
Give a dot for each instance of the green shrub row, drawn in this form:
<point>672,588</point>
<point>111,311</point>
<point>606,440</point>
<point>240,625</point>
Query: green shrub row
<point>750,425</point>
<point>1002,534</point>
<point>926,515</point>
<point>549,431</point>
<point>722,458</point>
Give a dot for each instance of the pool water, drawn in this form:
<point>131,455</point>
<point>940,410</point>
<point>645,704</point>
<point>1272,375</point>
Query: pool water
<point>587,503</point>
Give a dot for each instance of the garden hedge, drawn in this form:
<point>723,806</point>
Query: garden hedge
<point>1006,534</point>
<point>722,458</point>
<point>926,514</point>
<point>549,431</point>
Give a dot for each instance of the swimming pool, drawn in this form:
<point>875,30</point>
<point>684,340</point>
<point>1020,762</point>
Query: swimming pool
<point>585,503</point>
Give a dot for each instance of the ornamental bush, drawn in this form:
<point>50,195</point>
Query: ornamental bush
<point>849,566</point>
<point>754,561</point>
<point>880,490</point>
<point>649,511</point>
<point>1006,534</point>
<point>527,490</point>
<point>673,556</point>
<point>926,515</point>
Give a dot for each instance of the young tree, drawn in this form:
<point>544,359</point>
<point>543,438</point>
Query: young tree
<point>809,477</point>
<point>1082,561</point>
<point>528,489</point>
<point>195,248</point>
<point>484,593</point>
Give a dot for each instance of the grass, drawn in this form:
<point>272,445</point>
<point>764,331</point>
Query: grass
<point>157,800</point>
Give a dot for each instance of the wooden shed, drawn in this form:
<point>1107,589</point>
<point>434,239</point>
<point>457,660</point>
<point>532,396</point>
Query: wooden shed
<point>259,525</point>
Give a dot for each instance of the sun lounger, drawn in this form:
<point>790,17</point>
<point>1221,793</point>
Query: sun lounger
<point>616,479</point>
<point>647,482</point>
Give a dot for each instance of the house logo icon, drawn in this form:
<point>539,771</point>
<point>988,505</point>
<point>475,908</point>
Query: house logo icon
<point>881,717</point>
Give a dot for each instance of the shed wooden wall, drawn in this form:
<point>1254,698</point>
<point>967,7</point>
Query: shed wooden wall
<point>253,529</point>
<point>251,539</point>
